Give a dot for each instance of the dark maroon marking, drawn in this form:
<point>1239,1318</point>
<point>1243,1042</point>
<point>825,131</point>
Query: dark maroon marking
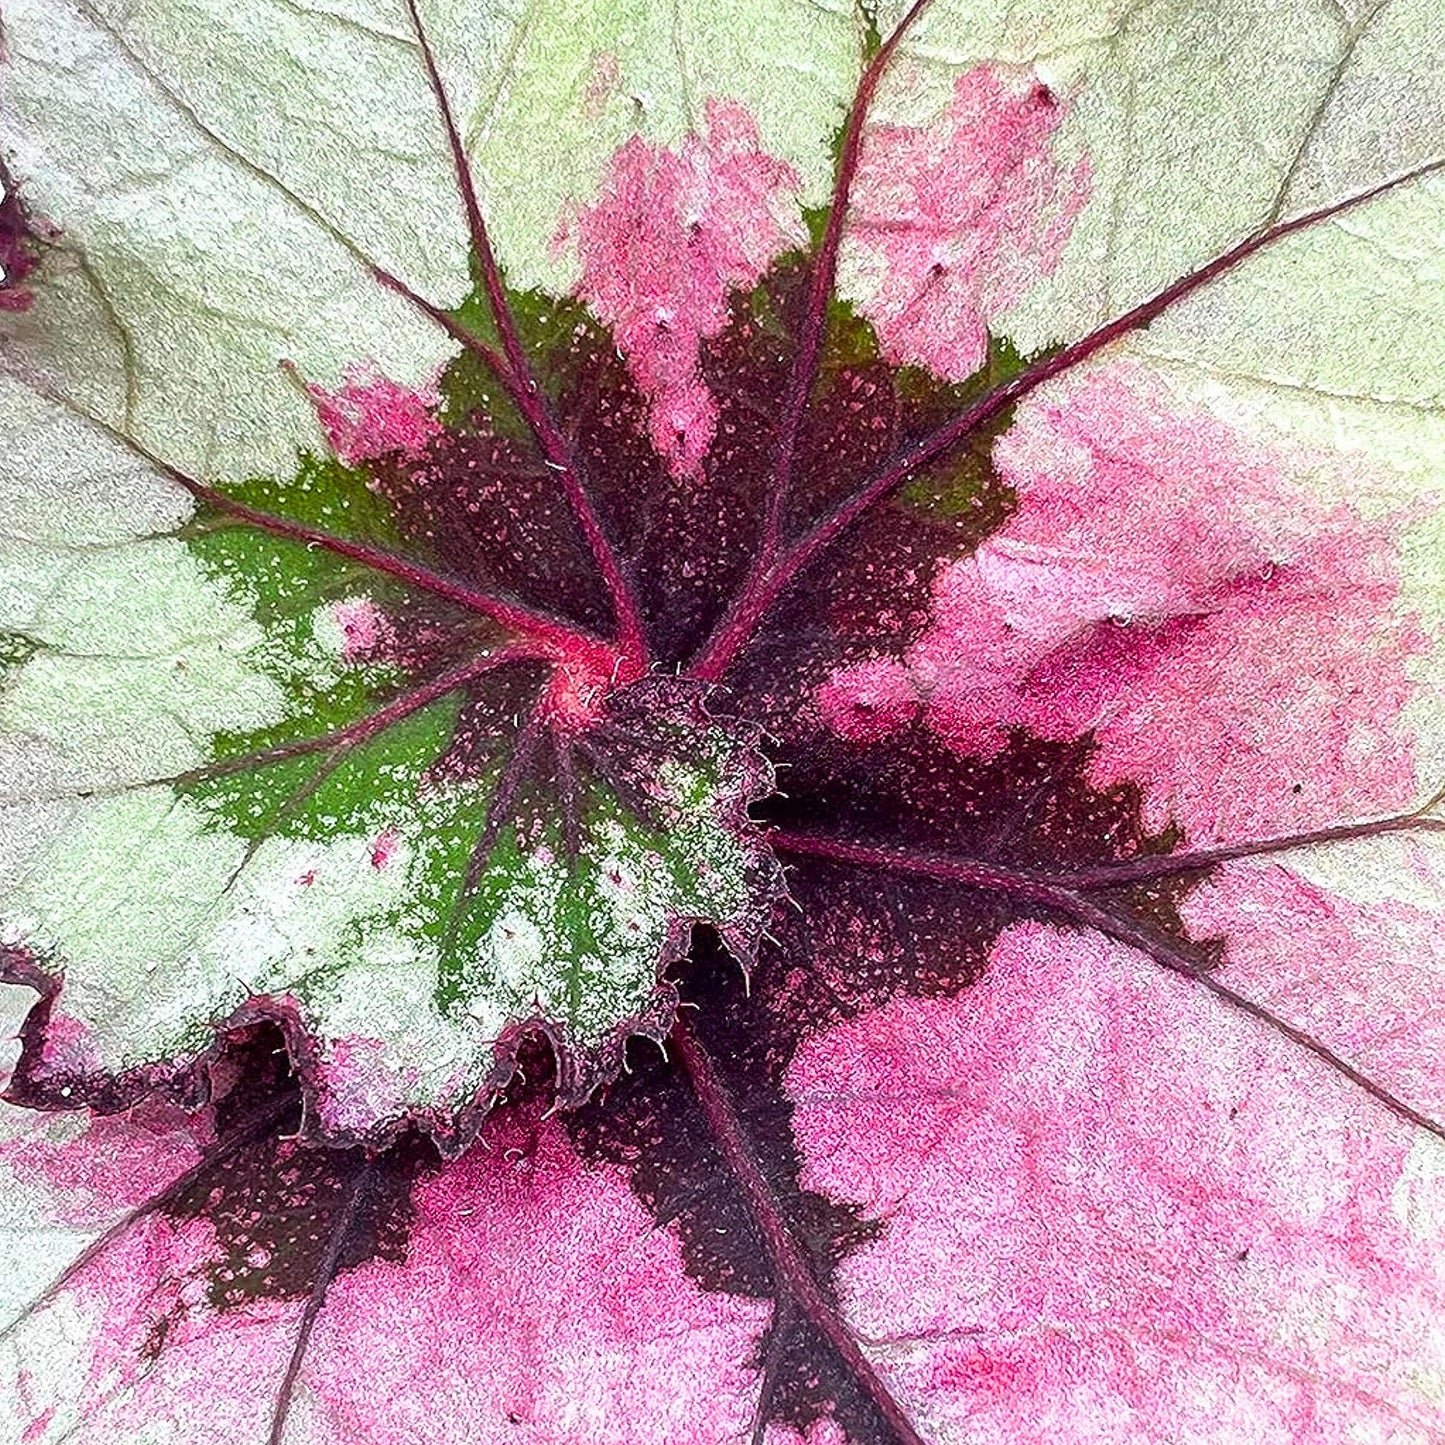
<point>341,1230</point>
<point>19,245</point>
<point>734,632</point>
<point>480,502</point>
<point>690,545</point>
<point>274,1205</point>
<point>790,1266</point>
<point>522,384</point>
<point>824,274</point>
<point>1027,813</point>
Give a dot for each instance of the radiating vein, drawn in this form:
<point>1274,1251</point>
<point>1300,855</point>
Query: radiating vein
<point>1354,33</point>
<point>326,1273</point>
<point>248,1132</point>
<point>517,377</point>
<point>340,740</point>
<point>793,1275</point>
<point>753,601</point>
<point>1166,865</point>
<point>499,809</point>
<point>822,279</point>
<point>1104,919</point>
<point>543,628</point>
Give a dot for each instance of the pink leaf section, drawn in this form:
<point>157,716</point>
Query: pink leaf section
<point>953,222</point>
<point>1232,641</point>
<point>131,1350</point>
<point>1117,1211</point>
<point>369,416</point>
<point>86,1168</point>
<point>67,1046</point>
<point>671,235</point>
<point>1362,978</point>
<point>870,701</point>
<point>539,1302</point>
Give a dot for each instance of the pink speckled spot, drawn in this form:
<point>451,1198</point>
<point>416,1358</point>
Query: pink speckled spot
<point>602,83</point>
<point>537,1302</point>
<point>371,416</point>
<point>69,1045</point>
<point>39,1425</point>
<point>869,701</point>
<point>1117,1211</point>
<point>673,232</point>
<point>383,847</point>
<point>954,221</point>
<point>365,629</point>
<point>1234,643</point>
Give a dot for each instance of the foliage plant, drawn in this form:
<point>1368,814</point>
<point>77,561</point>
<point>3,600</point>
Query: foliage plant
<point>718,723</point>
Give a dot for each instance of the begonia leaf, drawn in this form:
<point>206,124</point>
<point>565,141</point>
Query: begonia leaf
<point>722,723</point>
